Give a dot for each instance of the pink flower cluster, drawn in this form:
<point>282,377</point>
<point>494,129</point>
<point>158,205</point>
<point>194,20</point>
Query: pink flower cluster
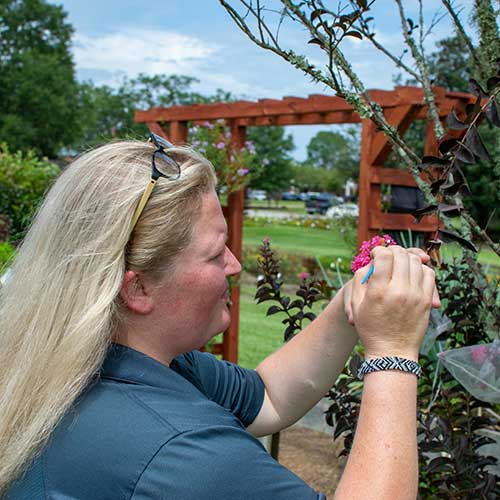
<point>480,353</point>
<point>363,258</point>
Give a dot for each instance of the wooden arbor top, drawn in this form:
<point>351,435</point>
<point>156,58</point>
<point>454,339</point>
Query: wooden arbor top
<point>401,107</point>
<point>313,110</point>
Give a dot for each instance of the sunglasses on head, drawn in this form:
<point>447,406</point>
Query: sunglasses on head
<point>162,166</point>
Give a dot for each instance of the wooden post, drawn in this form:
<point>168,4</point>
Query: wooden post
<point>367,133</point>
<point>178,132</point>
<point>235,240</point>
<point>431,143</point>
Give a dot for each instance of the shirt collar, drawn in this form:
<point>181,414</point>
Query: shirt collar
<point>125,364</point>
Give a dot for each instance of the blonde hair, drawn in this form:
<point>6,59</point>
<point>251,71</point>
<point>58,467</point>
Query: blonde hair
<point>60,304</point>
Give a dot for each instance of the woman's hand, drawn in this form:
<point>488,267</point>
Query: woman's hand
<point>391,311</point>
<point>347,288</point>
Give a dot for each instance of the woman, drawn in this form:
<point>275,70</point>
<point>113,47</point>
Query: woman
<point>103,394</point>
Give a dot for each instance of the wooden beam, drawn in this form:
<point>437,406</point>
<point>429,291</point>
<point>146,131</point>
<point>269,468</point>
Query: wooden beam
<point>391,176</point>
<point>400,118</point>
<point>315,103</point>
<point>387,221</point>
<point>301,119</point>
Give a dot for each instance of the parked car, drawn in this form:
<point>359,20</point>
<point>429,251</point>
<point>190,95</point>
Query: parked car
<point>319,203</point>
<point>289,196</point>
<point>346,209</point>
<point>256,194</point>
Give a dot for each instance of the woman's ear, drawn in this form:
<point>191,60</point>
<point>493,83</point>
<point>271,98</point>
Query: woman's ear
<point>135,294</point>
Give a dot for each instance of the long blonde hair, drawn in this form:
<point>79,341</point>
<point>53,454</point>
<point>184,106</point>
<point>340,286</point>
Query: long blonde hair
<point>59,307</point>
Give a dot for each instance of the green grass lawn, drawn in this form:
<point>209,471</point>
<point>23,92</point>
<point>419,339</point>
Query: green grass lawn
<point>259,335</point>
<point>320,242</point>
<point>307,241</point>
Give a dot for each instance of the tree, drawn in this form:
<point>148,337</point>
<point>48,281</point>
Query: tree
<point>38,90</point>
<point>306,177</point>
<point>336,151</point>
<point>449,65</point>
<point>274,148</point>
<point>109,113</point>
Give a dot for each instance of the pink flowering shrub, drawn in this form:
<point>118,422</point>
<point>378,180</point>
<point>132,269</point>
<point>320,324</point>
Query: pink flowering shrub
<point>363,257</point>
<point>234,168</point>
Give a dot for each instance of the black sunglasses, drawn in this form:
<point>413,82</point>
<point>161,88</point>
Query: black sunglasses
<point>162,166</point>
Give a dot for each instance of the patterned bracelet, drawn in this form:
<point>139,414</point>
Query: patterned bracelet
<point>389,363</point>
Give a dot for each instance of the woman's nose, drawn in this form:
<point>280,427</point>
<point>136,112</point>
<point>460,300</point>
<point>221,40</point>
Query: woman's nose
<point>233,265</point>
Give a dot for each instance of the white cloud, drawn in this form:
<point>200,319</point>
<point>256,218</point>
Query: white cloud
<point>135,51</point>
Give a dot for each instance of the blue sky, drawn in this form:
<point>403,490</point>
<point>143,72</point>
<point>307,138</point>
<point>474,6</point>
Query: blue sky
<point>116,38</point>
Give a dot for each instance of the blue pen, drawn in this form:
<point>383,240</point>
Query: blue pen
<point>368,274</point>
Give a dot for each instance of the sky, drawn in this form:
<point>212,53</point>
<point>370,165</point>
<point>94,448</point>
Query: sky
<point>117,38</point>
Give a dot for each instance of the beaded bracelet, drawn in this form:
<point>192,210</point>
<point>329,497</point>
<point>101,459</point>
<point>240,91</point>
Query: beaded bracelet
<point>389,363</point>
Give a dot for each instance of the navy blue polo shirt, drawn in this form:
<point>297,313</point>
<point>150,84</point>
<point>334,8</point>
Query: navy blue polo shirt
<point>149,431</point>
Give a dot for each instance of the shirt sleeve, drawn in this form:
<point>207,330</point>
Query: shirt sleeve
<point>218,463</point>
<point>239,390</point>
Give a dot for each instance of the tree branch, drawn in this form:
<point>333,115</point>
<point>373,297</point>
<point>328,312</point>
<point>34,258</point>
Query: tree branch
<point>433,111</point>
<point>461,32</point>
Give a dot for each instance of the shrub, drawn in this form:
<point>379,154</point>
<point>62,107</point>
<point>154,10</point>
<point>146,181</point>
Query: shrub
<point>6,252</point>
<point>24,179</point>
<point>453,423</point>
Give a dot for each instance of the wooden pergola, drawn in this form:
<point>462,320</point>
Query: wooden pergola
<point>401,107</point>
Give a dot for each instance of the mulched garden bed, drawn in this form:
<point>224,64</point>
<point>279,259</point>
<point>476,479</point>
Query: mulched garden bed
<point>312,456</point>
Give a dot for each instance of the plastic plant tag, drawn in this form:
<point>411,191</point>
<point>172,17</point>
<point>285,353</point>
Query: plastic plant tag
<point>438,324</point>
<point>477,368</point>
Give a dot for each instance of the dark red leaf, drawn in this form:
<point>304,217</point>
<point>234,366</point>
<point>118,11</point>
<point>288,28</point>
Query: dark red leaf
<point>436,185</point>
<point>434,162</point>
<point>355,34</point>
<point>450,210</point>
<point>463,153</point>
<point>446,144</point>
<point>297,303</point>
<point>340,25</point>
<point>492,113</point>
<point>418,214</point>
<point>475,144</point>
<point>454,123</point>
<point>318,13</point>
<point>449,236</point>
<point>273,310</point>
<point>476,89</point>
<point>316,41</point>
<point>492,82</point>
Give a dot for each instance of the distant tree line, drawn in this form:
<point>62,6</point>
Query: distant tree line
<point>43,108</point>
